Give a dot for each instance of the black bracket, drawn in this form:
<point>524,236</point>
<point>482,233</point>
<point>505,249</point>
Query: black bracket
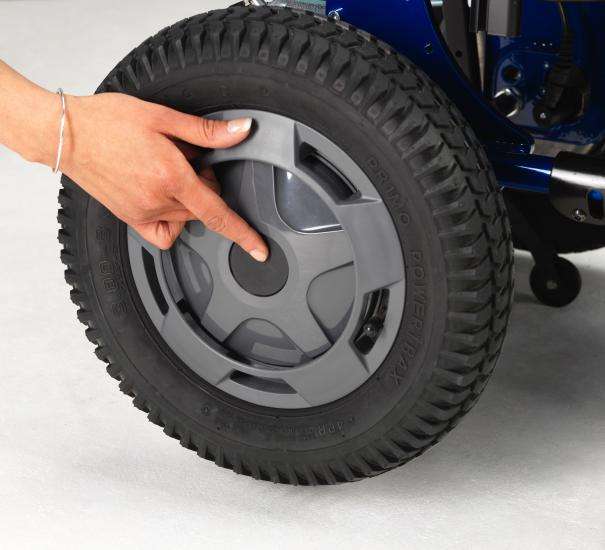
<point>497,17</point>
<point>577,187</point>
<point>461,41</point>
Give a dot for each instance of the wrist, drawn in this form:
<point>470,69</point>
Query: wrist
<point>32,127</point>
<point>43,143</point>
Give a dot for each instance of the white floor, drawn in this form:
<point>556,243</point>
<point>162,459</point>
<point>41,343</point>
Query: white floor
<point>81,468</point>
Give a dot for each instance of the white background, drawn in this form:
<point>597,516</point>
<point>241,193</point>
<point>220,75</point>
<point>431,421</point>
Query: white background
<point>81,468</point>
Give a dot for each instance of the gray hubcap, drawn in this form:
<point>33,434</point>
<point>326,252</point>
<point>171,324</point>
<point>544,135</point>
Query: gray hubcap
<point>289,333</point>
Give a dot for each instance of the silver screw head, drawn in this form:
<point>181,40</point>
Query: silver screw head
<point>579,215</point>
<point>334,14</point>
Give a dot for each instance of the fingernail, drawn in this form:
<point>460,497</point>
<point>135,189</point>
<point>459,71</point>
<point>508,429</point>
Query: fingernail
<point>259,256</point>
<point>239,125</point>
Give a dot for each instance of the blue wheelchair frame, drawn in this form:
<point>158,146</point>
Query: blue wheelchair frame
<point>408,26</point>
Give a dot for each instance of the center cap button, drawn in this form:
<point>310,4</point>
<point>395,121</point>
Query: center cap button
<point>260,279</point>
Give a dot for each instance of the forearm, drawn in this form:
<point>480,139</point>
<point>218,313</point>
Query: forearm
<point>29,117</point>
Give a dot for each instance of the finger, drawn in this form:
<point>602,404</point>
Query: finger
<point>214,186</point>
<point>208,178</point>
<point>161,234</point>
<point>192,153</point>
<point>205,132</point>
<point>214,213</point>
<point>179,215</point>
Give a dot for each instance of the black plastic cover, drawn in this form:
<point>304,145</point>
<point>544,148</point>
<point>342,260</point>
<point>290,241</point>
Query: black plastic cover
<point>577,188</point>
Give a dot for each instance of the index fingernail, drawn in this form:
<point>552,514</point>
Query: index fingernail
<point>259,255</point>
<point>239,125</point>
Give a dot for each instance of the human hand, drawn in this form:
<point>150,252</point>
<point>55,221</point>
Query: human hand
<point>131,156</point>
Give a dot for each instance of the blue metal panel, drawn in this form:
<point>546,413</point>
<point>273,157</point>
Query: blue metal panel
<point>523,172</point>
<point>534,52</point>
<point>407,25</point>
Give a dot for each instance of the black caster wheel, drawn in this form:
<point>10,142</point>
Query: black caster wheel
<point>557,289</point>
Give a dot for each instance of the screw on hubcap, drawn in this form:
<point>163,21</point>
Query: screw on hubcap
<point>579,215</point>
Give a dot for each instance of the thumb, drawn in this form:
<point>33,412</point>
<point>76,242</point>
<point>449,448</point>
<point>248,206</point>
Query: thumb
<point>161,234</point>
<point>205,132</point>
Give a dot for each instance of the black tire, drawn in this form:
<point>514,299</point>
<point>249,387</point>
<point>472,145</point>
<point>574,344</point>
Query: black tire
<point>559,288</point>
<point>435,178</point>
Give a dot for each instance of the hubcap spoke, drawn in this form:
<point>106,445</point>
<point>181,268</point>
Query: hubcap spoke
<point>378,257</point>
<point>299,324</point>
<point>215,367</point>
<point>205,243</point>
<point>222,316</point>
<point>318,253</point>
<point>346,369</point>
<point>257,201</point>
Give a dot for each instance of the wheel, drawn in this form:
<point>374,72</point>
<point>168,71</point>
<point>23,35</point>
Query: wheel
<point>559,288</point>
<point>379,317</point>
